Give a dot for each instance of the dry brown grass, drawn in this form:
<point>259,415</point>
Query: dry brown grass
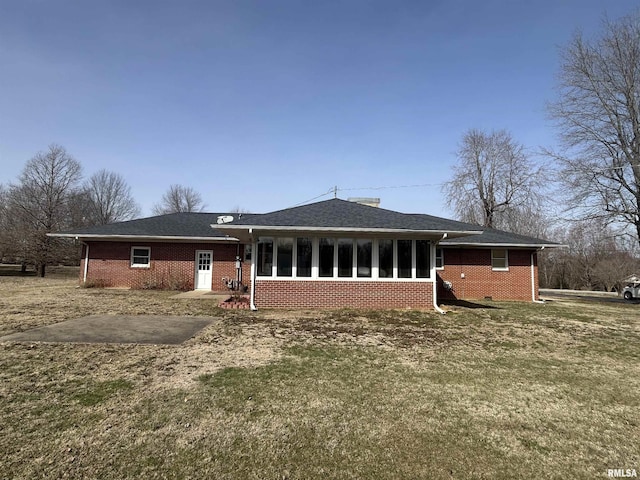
<point>516,391</point>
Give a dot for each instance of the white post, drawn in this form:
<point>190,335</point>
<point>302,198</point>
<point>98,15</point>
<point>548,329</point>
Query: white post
<point>254,255</point>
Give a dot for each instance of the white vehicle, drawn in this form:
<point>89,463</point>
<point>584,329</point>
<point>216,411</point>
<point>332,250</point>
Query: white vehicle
<point>631,291</point>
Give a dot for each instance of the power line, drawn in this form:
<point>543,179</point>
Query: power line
<point>335,190</point>
<point>331,190</point>
<point>385,187</point>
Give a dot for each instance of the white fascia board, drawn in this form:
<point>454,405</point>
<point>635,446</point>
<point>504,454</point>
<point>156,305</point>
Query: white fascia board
<point>148,238</point>
<point>276,228</point>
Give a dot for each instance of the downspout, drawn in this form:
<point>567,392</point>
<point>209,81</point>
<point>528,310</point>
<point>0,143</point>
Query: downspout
<point>86,262</point>
<point>533,280</point>
<point>254,254</point>
<point>435,277</point>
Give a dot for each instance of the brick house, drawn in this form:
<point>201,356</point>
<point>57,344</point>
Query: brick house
<point>328,254</point>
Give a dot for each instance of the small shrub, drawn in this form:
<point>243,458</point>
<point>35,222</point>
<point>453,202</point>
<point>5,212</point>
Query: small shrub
<point>154,280</point>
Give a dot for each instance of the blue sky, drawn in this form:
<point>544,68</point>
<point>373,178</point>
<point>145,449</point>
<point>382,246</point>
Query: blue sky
<point>266,104</point>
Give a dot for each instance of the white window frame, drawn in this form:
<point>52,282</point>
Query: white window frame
<point>295,258</point>
<point>132,263</point>
<point>435,260</point>
<point>248,251</point>
<point>375,264</point>
<point>506,260</point>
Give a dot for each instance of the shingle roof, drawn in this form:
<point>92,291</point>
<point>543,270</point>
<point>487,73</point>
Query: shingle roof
<point>342,214</point>
<point>334,213</point>
<point>180,225</point>
<point>491,236</point>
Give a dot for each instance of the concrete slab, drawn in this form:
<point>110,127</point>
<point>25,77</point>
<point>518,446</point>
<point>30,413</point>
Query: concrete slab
<point>148,329</point>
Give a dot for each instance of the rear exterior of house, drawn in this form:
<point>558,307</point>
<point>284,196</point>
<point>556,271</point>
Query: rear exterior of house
<point>330,254</point>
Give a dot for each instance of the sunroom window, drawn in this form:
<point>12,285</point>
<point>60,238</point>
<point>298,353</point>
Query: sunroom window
<point>265,256</point>
<point>364,256</point>
<point>345,257</point>
<point>325,257</point>
<point>284,264</point>
<point>303,257</point>
<point>385,258</point>
<point>404,258</point>
<point>423,259</point>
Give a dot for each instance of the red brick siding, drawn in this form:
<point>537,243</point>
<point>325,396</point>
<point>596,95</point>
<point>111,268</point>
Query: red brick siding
<point>172,264</point>
<point>340,294</point>
<point>481,281</point>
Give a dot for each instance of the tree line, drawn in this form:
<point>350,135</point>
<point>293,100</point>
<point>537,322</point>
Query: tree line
<point>586,194</point>
<point>50,195</point>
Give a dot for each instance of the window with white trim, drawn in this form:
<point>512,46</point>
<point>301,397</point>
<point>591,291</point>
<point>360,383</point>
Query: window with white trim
<point>364,255</point>
<point>325,257</point>
<point>304,257</point>
<point>346,258</point>
<point>423,258</point>
<point>405,258</point>
<point>385,258</point>
<point>265,257</point>
<point>140,257</point>
<point>284,260</point>
<point>499,259</point>
<point>439,258</point>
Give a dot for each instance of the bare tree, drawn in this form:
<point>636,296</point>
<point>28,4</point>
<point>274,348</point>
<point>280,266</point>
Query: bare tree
<point>6,244</point>
<point>179,199</point>
<point>493,181</point>
<point>239,209</point>
<point>598,117</point>
<point>40,204</point>
<point>109,198</point>
<point>597,257</point>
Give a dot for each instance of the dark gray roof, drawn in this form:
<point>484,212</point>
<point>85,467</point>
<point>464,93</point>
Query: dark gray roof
<point>491,236</point>
<point>335,213</point>
<point>342,214</point>
<point>181,225</point>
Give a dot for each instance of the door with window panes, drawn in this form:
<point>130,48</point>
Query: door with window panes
<point>204,264</point>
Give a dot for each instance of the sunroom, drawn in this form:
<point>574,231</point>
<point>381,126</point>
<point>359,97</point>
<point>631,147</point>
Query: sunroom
<point>346,258</point>
<point>337,254</point>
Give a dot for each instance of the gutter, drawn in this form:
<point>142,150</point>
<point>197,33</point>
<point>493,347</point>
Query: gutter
<point>93,236</point>
<point>86,262</point>
<point>533,279</point>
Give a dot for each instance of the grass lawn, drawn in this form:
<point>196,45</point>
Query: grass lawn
<point>505,391</point>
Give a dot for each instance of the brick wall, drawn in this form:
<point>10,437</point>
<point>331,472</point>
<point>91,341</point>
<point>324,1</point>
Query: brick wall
<point>172,265</point>
<point>340,294</point>
<point>481,281</point>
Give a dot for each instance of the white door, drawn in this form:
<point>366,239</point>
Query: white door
<point>204,262</point>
